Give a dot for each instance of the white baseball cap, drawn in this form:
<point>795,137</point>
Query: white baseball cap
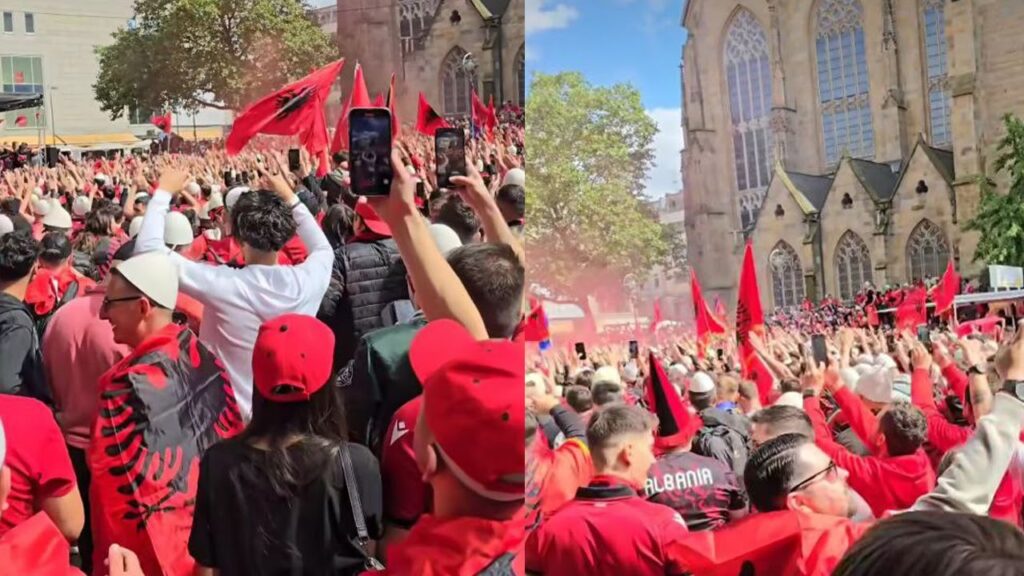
<point>233,195</point>
<point>876,385</point>
<point>794,399</point>
<point>608,374</point>
<point>57,217</point>
<point>701,383</point>
<point>193,188</point>
<point>445,238</point>
<point>216,201</point>
<point>515,176</point>
<point>177,230</point>
<point>154,275</point>
<point>41,206</point>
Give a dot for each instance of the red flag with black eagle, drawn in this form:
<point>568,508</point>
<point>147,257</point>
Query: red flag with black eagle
<point>481,115</point>
<point>536,327</point>
<point>296,109</point>
<point>707,323</point>
<point>427,119</point>
<point>160,409</point>
<point>358,98</point>
<point>946,290</point>
<point>162,122</point>
<point>676,425</point>
<point>913,311</point>
<point>396,126</point>
<point>750,318</point>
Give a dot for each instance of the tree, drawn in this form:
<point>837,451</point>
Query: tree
<point>236,50</point>
<point>590,151</point>
<point>1000,217</point>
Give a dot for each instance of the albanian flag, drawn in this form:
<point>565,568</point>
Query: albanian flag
<point>296,109</point>
<point>162,122</point>
<point>912,312</point>
<point>536,327</point>
<point>946,290</point>
<point>378,101</point>
<point>160,409</point>
<point>750,318</point>
<point>763,544</point>
<point>427,120</point>
<point>480,115</point>
<point>358,98</point>
<point>21,121</point>
<point>396,126</point>
<point>707,323</point>
<point>676,425</point>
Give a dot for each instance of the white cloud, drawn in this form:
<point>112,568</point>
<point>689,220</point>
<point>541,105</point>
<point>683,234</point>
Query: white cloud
<point>664,177</point>
<point>540,17</point>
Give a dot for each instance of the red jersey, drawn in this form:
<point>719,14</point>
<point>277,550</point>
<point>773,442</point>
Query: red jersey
<point>554,476</point>
<point>607,529</point>
<point>36,547</point>
<point>702,490</point>
<point>463,546</point>
<point>406,495</point>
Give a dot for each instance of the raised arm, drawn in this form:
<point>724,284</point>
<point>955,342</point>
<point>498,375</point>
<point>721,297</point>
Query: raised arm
<point>479,198</point>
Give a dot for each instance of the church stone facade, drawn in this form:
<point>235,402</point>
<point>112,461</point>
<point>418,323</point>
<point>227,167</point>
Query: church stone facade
<point>843,138</point>
<point>425,43</point>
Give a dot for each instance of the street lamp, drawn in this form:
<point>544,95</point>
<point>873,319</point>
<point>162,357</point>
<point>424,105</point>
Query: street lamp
<point>53,126</point>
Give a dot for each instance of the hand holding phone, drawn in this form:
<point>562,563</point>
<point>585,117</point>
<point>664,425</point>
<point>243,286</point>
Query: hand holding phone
<point>634,349</point>
<point>370,151</point>
<point>450,155</point>
<point>294,160</point>
<point>581,351</point>
<point>819,349</point>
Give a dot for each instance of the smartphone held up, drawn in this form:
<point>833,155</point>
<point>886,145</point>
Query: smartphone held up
<point>370,151</point>
<point>450,154</point>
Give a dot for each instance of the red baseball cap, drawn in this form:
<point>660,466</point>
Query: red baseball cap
<point>473,403</point>
<point>292,358</point>
<point>371,218</point>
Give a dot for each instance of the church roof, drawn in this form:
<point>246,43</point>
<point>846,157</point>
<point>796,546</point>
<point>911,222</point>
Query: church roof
<point>489,8</point>
<point>943,161</point>
<point>814,188</point>
<point>878,179</point>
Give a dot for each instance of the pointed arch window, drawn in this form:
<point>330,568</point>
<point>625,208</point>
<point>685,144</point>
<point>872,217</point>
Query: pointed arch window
<point>843,81</point>
<point>749,76</point>
<point>927,251</point>
<point>787,276</point>
<point>939,95</point>
<point>456,84</point>
<point>853,265</point>
<point>521,75</point>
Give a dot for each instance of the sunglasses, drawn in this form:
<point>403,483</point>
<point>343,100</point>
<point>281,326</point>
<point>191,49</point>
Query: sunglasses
<point>105,305</point>
<point>830,472</point>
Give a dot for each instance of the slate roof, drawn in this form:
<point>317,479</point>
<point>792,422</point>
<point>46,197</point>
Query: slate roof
<point>878,179</point>
<point>814,188</point>
<point>488,8</point>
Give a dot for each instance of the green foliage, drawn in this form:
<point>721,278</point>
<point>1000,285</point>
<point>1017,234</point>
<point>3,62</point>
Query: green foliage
<point>590,151</point>
<point>1000,217</point>
<point>237,50</point>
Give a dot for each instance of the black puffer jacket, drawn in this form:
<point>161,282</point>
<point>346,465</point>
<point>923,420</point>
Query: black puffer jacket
<point>367,276</point>
<point>21,361</point>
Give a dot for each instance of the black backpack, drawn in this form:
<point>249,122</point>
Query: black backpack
<point>725,444</point>
<point>43,320</point>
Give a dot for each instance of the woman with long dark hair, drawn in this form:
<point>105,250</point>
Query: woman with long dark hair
<point>275,500</point>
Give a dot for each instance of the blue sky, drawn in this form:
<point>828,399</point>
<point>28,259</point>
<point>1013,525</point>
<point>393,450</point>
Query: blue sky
<point>611,41</point>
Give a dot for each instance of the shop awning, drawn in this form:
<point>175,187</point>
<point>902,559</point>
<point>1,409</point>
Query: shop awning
<point>17,101</point>
<point>31,137</point>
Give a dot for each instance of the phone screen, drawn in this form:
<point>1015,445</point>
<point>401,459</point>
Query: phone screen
<point>293,160</point>
<point>819,349</point>
<point>634,349</point>
<point>923,334</point>
<point>370,151</point>
<point>450,152</point>
<point>581,351</point>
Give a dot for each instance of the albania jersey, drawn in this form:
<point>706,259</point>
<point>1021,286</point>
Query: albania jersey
<point>702,490</point>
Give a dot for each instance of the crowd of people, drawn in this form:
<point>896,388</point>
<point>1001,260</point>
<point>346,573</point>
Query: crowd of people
<point>216,365</point>
<point>892,455</point>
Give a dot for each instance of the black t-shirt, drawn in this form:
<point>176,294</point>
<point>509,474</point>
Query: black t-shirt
<point>702,490</point>
<point>242,527</point>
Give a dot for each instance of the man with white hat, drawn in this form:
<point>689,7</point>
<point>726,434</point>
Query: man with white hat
<point>237,301</point>
<point>181,403</point>
<point>57,219</point>
<point>723,435</point>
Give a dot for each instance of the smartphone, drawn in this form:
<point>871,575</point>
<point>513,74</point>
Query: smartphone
<point>581,351</point>
<point>634,349</point>
<point>720,352</point>
<point>369,138</point>
<point>923,334</point>
<point>450,152</point>
<point>294,162</point>
<point>819,349</point>
<point>228,180</point>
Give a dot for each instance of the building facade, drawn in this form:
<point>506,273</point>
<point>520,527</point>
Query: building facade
<point>426,43</point>
<point>48,47</point>
<point>842,137</point>
<point>670,288</point>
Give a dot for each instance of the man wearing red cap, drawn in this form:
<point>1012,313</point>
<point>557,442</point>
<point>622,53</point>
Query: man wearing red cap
<point>609,528</point>
<point>703,490</point>
<point>470,446</point>
<point>368,275</point>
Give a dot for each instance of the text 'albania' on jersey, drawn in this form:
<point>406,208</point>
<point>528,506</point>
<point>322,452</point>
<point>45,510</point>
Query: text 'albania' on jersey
<point>160,409</point>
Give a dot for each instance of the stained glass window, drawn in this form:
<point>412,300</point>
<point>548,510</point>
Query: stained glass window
<point>456,84</point>
<point>927,251</point>
<point>787,276</point>
<point>853,265</point>
<point>843,81</point>
<point>939,97</point>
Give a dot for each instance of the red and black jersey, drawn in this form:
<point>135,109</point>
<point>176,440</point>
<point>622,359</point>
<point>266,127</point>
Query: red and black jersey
<point>160,408</point>
<point>702,490</point>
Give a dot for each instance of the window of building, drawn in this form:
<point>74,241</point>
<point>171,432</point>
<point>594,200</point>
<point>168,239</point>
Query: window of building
<point>927,251</point>
<point>939,96</point>
<point>843,81</point>
<point>414,18</point>
<point>749,76</point>
<point>456,84</point>
<point>521,75</point>
<point>787,276</point>
<point>853,265</point>
<point>30,23</point>
<point>847,202</point>
<point>22,75</point>
<point>8,21</point>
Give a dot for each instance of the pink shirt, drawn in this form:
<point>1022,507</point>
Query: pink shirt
<point>78,348</point>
